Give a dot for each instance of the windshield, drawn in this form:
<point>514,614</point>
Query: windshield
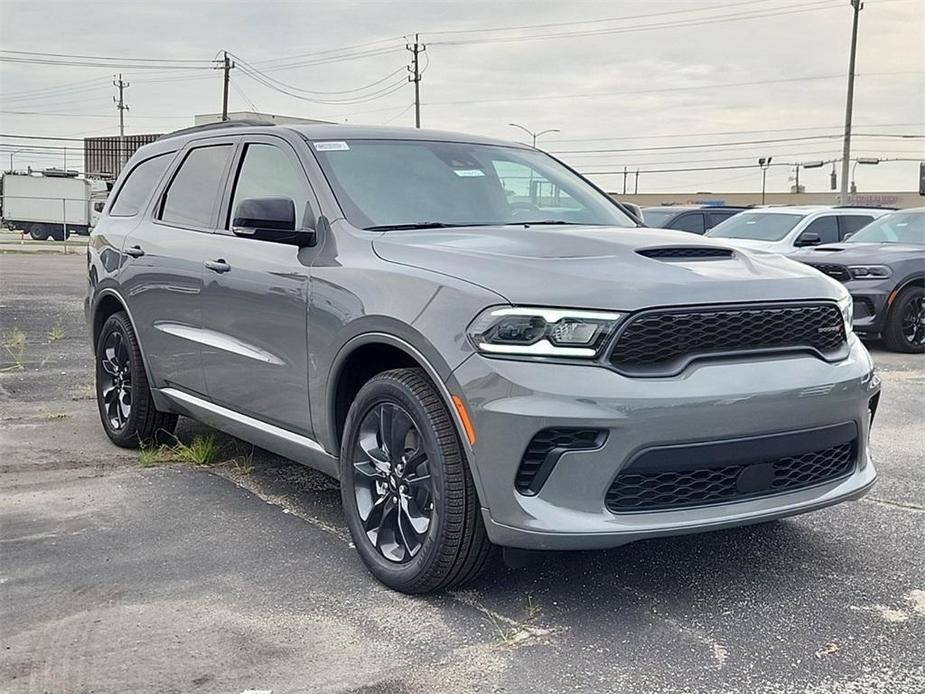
<point>758,226</point>
<point>383,184</point>
<point>899,227</point>
<point>657,218</point>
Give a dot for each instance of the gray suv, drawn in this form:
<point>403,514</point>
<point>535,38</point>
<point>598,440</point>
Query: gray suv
<point>477,342</point>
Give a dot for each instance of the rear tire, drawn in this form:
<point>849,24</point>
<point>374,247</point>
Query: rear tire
<point>905,326</point>
<point>123,395</point>
<point>38,232</point>
<point>413,513</point>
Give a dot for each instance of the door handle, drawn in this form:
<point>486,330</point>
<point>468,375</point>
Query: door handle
<point>218,265</point>
<point>135,251</point>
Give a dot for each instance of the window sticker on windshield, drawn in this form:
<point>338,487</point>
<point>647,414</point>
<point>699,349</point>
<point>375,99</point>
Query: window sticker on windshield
<point>330,146</point>
<point>468,172</point>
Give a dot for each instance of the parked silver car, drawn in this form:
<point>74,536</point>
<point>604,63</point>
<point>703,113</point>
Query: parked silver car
<point>476,341</point>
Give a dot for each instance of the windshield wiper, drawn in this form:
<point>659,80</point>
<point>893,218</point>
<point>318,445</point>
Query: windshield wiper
<point>416,225</point>
<point>546,221</point>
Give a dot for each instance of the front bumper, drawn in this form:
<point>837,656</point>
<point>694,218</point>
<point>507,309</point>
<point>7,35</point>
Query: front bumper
<point>510,401</point>
<point>871,304</point>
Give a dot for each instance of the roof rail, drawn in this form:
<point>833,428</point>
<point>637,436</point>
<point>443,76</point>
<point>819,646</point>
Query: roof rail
<point>863,207</point>
<point>216,126</point>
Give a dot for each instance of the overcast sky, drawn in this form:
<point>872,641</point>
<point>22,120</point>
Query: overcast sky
<point>621,84</point>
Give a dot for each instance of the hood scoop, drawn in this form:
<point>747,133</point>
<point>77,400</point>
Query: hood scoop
<point>685,253</point>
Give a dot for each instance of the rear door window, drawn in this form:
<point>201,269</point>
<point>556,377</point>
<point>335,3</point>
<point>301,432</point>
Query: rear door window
<point>692,221</point>
<point>193,195</point>
<point>850,223</point>
<point>826,227</point>
<point>138,186</point>
<point>714,218</point>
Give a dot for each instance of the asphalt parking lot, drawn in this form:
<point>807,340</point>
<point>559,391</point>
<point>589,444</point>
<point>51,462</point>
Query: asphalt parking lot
<point>172,578</point>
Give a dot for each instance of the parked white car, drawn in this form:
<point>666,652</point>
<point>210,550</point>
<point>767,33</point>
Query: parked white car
<point>786,230</point>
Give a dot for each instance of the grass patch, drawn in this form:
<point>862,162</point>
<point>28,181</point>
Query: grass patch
<point>532,609</point>
<point>84,392</point>
<point>202,450</point>
<point>14,343</point>
<point>56,333</point>
<point>245,464</point>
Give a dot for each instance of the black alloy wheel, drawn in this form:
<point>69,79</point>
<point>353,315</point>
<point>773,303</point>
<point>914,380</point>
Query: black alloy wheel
<point>392,482</point>
<point>116,382</point>
<point>407,493</point>
<point>905,326</point>
<point>123,397</point>
<point>913,322</point>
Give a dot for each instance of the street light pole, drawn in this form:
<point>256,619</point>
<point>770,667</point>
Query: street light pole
<point>849,103</point>
<point>533,134</point>
<point>861,160</point>
<point>764,163</point>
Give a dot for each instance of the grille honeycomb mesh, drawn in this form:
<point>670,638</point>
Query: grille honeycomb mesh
<point>665,490</point>
<point>664,338</point>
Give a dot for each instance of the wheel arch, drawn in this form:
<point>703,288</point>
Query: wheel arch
<point>914,281</point>
<point>371,353</point>
<point>106,303</point>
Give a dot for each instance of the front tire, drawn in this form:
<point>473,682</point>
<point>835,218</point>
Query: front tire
<point>123,396</point>
<point>38,232</point>
<point>407,493</point>
<point>905,328</point>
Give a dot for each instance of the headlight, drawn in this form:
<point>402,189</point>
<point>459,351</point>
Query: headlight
<point>869,272</point>
<point>846,305</point>
<point>543,332</point>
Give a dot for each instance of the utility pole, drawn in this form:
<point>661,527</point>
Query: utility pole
<point>123,107</point>
<point>849,104</point>
<point>625,172</point>
<point>636,183</point>
<point>416,49</point>
<point>226,66</point>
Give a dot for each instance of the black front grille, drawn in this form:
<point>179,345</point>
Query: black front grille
<point>683,488</point>
<point>682,252</point>
<point>662,342</point>
<point>544,451</point>
<point>839,272</point>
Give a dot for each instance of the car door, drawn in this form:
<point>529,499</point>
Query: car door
<point>162,279</point>
<point>255,297</point>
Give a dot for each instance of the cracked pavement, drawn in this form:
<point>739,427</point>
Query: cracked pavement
<point>118,578</point>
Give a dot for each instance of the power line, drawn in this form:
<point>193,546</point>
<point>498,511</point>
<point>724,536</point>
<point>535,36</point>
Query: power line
<point>292,87</point>
<point>103,57</point>
<point>698,21</point>
<point>328,51</point>
<point>599,20</point>
<point>726,132</point>
<point>88,115</point>
<point>657,90</point>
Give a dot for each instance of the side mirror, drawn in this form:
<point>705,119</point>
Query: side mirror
<point>270,219</point>
<point>848,235</point>
<point>808,238</point>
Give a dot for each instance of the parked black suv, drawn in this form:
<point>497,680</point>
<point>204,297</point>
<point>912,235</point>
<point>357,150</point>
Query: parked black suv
<point>697,219</point>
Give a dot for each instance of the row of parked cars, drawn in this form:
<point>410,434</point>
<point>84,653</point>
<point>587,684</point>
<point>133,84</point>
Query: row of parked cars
<point>879,254</point>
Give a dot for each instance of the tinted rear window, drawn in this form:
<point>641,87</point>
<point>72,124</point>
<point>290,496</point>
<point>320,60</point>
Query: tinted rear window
<point>139,185</point>
<point>193,194</point>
